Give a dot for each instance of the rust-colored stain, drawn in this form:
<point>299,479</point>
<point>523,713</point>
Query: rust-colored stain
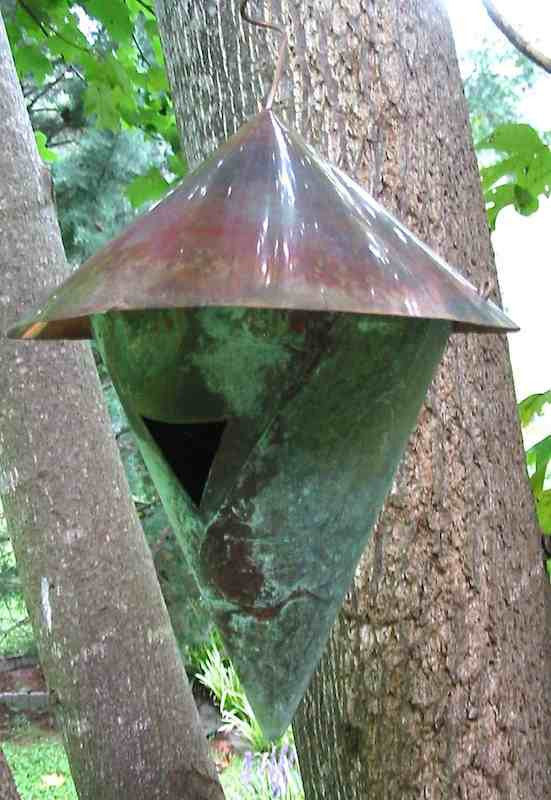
<point>227,562</point>
<point>266,613</point>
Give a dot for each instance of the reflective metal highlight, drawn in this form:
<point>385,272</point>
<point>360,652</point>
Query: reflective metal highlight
<point>265,223</point>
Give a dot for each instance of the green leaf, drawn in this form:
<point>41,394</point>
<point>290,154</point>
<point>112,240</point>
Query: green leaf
<point>177,165</point>
<point>520,175</point>
<point>156,79</point>
<point>543,509</point>
<point>112,72</point>
<point>146,188</point>
<point>538,457</point>
<point>30,60</point>
<point>67,40</point>
<point>496,200</point>
<point>152,31</point>
<point>532,406</point>
<point>44,151</point>
<point>102,102</point>
<point>503,169</point>
<point>524,201</point>
<point>512,138</point>
<point>114,17</point>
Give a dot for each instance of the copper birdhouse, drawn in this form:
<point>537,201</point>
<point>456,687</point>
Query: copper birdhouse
<point>271,331</point>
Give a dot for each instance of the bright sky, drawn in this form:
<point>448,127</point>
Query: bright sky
<point>531,17</point>
<point>522,244</point>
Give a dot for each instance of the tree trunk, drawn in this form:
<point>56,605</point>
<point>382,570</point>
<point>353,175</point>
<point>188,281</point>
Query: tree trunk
<point>433,683</point>
<point>108,653</point>
<point>8,789</point>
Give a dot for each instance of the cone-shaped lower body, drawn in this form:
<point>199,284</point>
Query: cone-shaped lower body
<point>296,495</point>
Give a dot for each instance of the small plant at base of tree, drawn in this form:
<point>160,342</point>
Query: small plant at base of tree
<point>220,678</point>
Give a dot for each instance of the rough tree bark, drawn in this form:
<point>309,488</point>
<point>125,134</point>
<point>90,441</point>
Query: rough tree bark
<point>105,641</point>
<point>433,683</point>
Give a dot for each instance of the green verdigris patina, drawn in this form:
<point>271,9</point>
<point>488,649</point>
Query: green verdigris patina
<point>318,410</point>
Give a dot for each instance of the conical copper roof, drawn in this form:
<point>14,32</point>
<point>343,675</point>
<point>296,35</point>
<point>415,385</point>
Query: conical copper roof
<point>265,223</point>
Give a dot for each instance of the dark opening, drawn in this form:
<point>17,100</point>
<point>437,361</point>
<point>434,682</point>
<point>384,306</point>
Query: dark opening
<point>189,449</point>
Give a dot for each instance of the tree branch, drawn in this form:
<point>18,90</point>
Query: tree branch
<point>45,90</point>
<point>147,7</point>
<point>140,51</point>
<point>44,111</point>
<point>62,142</point>
<point>516,38</point>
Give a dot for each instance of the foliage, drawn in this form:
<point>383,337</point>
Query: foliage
<point>9,582</point>
<point>496,75</point>
<point>16,636</point>
<point>112,48</point>
<point>533,406</point>
<point>538,458</point>
<point>41,770</point>
<point>520,173</point>
<point>220,677</point>
<point>144,187</point>
<point>268,770</point>
<point>90,181</point>
<point>15,629</point>
<point>516,160</point>
<point>98,64</point>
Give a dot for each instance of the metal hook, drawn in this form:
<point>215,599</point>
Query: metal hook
<point>282,50</point>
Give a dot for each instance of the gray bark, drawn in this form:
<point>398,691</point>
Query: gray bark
<point>433,683</point>
<point>106,646</point>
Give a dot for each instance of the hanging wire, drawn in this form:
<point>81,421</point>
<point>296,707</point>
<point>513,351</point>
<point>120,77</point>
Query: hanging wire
<point>282,50</point>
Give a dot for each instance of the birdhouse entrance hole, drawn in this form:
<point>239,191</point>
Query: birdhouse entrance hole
<point>189,449</point>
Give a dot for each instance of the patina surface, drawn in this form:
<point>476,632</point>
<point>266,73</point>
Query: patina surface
<point>297,480</point>
<point>265,223</point>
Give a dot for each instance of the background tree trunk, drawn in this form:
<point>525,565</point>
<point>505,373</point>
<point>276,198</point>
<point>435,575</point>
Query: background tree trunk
<point>8,789</point>
<point>105,641</point>
<point>433,684</point>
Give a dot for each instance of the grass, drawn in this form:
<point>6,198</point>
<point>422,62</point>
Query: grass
<point>40,770</point>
